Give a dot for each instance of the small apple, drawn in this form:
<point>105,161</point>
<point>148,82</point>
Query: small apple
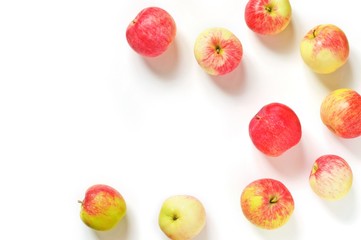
<point>275,129</point>
<point>325,48</point>
<point>182,217</point>
<point>102,208</point>
<point>331,177</point>
<point>267,203</point>
<point>268,17</point>
<point>218,51</point>
<point>341,112</point>
<point>151,32</point>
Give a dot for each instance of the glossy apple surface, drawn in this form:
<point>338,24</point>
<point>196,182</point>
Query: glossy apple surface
<point>331,177</point>
<point>341,112</point>
<point>182,217</point>
<point>218,51</point>
<point>151,32</point>
<point>102,208</point>
<point>275,129</point>
<point>267,203</point>
<point>325,48</point>
<point>268,17</point>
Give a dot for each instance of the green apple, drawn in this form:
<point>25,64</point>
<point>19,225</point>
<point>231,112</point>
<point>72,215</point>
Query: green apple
<point>182,217</point>
<point>102,208</point>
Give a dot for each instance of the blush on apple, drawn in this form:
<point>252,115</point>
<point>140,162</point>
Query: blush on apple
<point>151,32</point>
<point>102,208</point>
<point>325,48</point>
<point>268,17</point>
<point>275,129</point>
<point>341,112</point>
<point>182,217</point>
<point>267,203</point>
<point>331,177</point>
<point>218,51</point>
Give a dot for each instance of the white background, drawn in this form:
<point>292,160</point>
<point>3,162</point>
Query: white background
<point>79,107</point>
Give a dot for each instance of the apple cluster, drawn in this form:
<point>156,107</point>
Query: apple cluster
<point>274,129</point>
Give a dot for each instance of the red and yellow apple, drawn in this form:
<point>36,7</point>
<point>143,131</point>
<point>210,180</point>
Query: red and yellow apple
<point>341,112</point>
<point>275,129</point>
<point>151,32</point>
<point>182,217</point>
<point>331,177</point>
<point>268,17</point>
<point>325,48</point>
<point>267,203</point>
<point>218,51</point>
<point>102,208</point>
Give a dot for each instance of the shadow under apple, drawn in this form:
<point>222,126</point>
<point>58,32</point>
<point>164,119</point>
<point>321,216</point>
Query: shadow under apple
<point>345,210</point>
<point>291,163</point>
<point>231,83</point>
<point>341,78</point>
<point>283,42</point>
<point>164,65</point>
<point>119,232</point>
<point>285,232</point>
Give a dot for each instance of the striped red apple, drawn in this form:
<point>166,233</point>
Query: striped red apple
<point>331,177</point>
<point>341,112</point>
<point>268,17</point>
<point>218,51</point>
<point>267,203</point>
<point>151,32</point>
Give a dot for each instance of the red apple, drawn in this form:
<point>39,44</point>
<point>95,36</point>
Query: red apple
<point>267,203</point>
<point>151,32</point>
<point>268,17</point>
<point>331,177</point>
<point>325,48</point>
<point>341,112</point>
<point>275,129</point>
<point>102,208</point>
<point>218,51</point>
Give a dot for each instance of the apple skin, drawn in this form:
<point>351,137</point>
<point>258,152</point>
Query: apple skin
<point>151,32</point>
<point>182,217</point>
<point>325,48</point>
<point>218,51</point>
<point>331,177</point>
<point>341,112</point>
<point>102,208</point>
<point>267,203</point>
<point>268,17</point>
<point>275,129</point>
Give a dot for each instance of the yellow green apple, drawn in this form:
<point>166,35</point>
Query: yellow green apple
<point>102,208</point>
<point>182,217</point>
<point>341,112</point>
<point>325,48</point>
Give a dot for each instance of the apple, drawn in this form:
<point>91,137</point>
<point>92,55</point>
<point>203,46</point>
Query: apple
<point>218,51</point>
<point>102,208</point>
<point>341,112</point>
<point>268,17</point>
<point>267,203</point>
<point>151,32</point>
<point>182,217</point>
<point>275,129</point>
<point>325,48</point>
<point>331,177</point>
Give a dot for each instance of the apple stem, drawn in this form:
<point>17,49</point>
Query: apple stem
<point>273,199</point>
<point>314,33</point>
<point>218,49</point>
<point>81,202</point>
<point>268,9</point>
